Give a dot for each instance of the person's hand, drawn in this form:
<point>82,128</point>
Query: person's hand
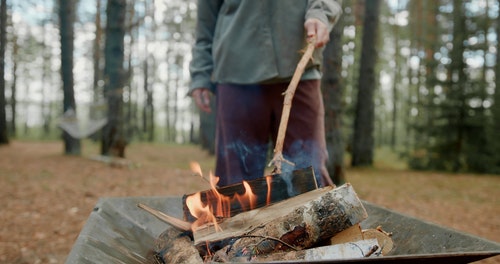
<point>315,28</point>
<point>201,97</point>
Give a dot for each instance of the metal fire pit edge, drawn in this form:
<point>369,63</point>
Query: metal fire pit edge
<point>117,231</point>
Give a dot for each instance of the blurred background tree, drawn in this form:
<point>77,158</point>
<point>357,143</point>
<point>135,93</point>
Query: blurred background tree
<point>4,139</point>
<point>66,31</point>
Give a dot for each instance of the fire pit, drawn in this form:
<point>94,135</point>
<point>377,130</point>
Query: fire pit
<point>117,231</point>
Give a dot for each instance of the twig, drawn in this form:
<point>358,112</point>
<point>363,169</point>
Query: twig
<point>202,177</point>
<point>373,249</point>
<point>177,223</point>
<point>287,105</point>
<point>272,238</point>
<point>379,228</point>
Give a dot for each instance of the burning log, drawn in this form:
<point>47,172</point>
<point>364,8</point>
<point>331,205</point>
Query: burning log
<point>283,187</point>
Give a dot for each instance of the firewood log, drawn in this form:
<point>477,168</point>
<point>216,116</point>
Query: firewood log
<point>174,246</point>
<point>351,234</point>
<point>297,223</point>
<point>384,239</point>
<point>348,250</point>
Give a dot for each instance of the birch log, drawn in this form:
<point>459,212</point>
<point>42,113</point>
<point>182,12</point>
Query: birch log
<point>300,222</point>
<point>174,246</point>
<point>351,250</point>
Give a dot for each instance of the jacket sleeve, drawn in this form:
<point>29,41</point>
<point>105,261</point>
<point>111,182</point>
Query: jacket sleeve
<point>327,11</point>
<point>201,65</point>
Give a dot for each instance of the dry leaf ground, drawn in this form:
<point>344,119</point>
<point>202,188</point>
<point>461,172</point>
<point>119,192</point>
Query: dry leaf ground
<point>47,197</point>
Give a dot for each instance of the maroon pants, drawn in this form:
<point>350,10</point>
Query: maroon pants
<point>248,118</point>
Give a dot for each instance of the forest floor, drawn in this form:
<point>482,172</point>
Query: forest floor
<point>47,196</point>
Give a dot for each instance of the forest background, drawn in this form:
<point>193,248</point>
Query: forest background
<point>414,81</point>
<point>415,76</point>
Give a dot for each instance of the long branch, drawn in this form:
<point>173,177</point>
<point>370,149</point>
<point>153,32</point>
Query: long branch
<point>287,105</point>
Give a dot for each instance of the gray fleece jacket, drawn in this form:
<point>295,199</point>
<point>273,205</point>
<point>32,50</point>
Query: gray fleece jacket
<point>255,41</point>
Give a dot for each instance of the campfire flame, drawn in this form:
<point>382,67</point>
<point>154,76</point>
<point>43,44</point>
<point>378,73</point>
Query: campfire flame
<point>198,210</point>
<point>248,199</point>
<point>196,168</point>
<point>205,213</point>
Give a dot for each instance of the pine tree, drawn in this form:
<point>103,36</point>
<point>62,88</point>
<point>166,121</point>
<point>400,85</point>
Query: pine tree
<point>363,141</point>
<point>67,18</point>
<point>3,40</point>
<point>114,140</point>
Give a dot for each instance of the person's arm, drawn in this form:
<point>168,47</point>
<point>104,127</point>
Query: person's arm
<point>202,62</point>
<point>321,16</point>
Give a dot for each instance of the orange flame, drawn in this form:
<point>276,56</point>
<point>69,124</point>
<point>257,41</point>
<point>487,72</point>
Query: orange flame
<point>200,211</point>
<point>196,168</point>
<point>219,205</point>
<point>248,199</point>
<point>223,208</point>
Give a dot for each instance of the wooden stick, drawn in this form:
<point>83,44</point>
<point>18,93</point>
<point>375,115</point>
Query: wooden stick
<point>177,223</point>
<point>287,105</point>
<point>203,178</point>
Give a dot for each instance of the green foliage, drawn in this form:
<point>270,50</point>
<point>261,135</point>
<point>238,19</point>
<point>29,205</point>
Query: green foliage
<point>453,128</point>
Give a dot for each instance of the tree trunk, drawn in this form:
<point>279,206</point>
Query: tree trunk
<point>67,18</point>
<point>363,142</point>
<point>146,110</point>
<point>496,107</point>
<point>114,141</point>
<point>97,54</point>
<point>3,39</point>
<point>395,83</point>
<point>148,75</point>
<point>131,107</point>
<point>97,75</point>
<point>96,112</point>
<point>46,114</point>
<point>13,88</point>
<point>453,133</point>
<point>332,93</point>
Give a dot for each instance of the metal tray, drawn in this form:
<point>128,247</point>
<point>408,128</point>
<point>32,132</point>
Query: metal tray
<point>117,231</point>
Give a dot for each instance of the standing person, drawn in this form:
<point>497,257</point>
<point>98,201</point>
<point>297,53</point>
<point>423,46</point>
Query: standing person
<point>246,53</point>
